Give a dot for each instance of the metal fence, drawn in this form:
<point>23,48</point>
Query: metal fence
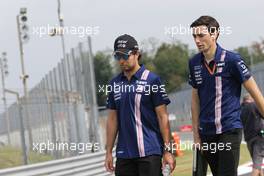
<point>61,107</point>
<point>85,165</point>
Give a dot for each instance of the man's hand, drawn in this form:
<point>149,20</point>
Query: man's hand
<point>196,141</point>
<point>196,138</point>
<point>111,132</point>
<point>109,162</point>
<point>169,159</point>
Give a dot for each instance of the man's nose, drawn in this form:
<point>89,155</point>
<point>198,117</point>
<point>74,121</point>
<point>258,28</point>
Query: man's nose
<point>121,60</point>
<point>197,40</point>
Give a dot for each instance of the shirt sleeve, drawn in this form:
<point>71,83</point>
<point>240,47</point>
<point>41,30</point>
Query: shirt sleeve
<point>240,70</point>
<point>110,102</point>
<point>191,77</point>
<point>159,95</point>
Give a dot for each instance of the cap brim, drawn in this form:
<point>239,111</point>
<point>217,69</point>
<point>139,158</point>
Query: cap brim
<point>122,51</point>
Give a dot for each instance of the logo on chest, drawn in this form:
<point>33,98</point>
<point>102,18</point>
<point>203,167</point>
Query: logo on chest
<point>219,67</point>
<point>198,74</point>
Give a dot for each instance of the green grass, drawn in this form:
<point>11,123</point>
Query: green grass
<point>11,157</point>
<point>184,163</point>
<point>244,154</point>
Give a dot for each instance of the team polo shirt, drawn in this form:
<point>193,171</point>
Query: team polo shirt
<point>219,92</point>
<point>135,101</point>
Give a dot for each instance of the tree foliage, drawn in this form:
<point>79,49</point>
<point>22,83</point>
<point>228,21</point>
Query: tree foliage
<point>168,60</point>
<point>103,74</point>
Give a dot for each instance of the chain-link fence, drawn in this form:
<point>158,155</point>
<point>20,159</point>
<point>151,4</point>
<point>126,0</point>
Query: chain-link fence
<point>61,108</point>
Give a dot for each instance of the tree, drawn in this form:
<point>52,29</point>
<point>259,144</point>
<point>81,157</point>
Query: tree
<point>148,50</point>
<point>258,52</point>
<point>244,52</point>
<point>252,54</point>
<point>147,61</point>
<point>103,74</point>
<point>171,62</point>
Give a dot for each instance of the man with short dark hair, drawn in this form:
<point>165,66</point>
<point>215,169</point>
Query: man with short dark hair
<point>216,76</point>
<point>137,113</point>
<point>253,127</point>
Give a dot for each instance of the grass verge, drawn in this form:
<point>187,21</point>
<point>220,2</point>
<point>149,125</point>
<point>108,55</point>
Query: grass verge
<point>11,157</point>
<point>184,163</point>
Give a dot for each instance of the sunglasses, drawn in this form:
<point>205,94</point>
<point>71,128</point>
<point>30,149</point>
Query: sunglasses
<point>118,55</point>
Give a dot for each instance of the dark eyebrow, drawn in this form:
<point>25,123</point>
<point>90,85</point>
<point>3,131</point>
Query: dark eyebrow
<point>199,35</point>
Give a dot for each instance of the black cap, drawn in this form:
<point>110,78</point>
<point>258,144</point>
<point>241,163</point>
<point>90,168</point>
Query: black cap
<point>125,43</point>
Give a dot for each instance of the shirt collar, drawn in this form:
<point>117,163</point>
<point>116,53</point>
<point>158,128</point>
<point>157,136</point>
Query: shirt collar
<point>218,53</point>
<point>138,74</point>
<point>140,71</point>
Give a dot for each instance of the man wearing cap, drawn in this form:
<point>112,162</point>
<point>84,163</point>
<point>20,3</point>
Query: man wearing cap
<point>137,114</point>
<point>216,76</point>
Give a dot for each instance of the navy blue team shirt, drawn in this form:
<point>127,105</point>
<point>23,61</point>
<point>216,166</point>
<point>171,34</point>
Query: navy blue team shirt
<point>135,101</point>
<point>219,92</point>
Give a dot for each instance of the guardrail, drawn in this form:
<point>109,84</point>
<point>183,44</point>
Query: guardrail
<point>84,165</point>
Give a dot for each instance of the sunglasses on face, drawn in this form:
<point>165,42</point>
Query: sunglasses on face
<point>122,55</point>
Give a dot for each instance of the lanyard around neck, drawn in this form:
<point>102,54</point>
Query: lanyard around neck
<point>211,71</point>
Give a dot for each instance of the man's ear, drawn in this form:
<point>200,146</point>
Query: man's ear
<point>138,54</point>
<point>214,35</point>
